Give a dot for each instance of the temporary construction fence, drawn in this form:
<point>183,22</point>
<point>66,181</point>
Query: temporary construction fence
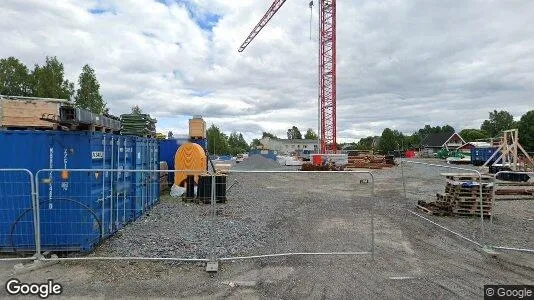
<point>17,214</point>
<point>465,205</point>
<point>448,197</point>
<point>294,213</point>
<point>512,222</point>
<point>74,210</point>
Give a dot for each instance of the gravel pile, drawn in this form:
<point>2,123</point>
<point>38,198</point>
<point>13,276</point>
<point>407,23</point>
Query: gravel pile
<point>177,229</point>
<point>257,162</point>
<point>262,215</point>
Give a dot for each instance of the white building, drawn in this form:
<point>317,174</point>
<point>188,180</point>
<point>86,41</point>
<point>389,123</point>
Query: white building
<point>284,146</point>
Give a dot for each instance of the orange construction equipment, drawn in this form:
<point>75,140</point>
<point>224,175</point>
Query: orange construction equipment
<point>189,157</point>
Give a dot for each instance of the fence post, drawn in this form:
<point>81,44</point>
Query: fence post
<point>212,265</point>
<point>37,218</point>
<point>404,181</point>
<point>373,203</point>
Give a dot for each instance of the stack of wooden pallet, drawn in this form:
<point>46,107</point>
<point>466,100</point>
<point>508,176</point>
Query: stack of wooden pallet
<point>462,197</point>
<point>362,161</point>
<point>26,112</point>
<point>463,192</point>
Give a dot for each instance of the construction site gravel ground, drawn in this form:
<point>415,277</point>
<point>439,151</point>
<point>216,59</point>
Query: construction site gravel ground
<point>280,213</point>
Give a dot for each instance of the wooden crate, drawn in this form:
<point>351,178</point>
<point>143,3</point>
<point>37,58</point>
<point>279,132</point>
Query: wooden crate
<point>197,128</point>
<point>24,113</point>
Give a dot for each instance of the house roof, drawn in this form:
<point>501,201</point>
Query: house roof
<point>436,139</point>
<point>478,144</point>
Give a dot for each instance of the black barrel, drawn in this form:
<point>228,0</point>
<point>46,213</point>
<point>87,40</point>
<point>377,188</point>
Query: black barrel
<point>204,188</point>
<point>220,188</point>
<point>190,187</point>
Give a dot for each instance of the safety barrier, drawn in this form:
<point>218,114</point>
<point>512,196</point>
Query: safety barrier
<point>17,213</point>
<point>82,210</point>
<point>469,206</point>
<point>295,213</point>
<point>512,223</point>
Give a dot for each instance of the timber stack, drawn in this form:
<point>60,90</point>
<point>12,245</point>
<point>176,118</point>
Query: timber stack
<point>367,161</point>
<point>462,197</point>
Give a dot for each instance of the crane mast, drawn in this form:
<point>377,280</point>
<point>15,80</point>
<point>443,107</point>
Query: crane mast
<point>327,74</point>
<point>327,67</point>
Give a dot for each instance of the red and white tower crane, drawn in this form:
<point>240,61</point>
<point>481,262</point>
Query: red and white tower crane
<point>327,66</point>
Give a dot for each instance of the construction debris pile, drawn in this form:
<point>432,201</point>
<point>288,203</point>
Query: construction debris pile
<point>366,161</point>
<point>462,197</point>
<point>139,125</point>
<point>325,167</point>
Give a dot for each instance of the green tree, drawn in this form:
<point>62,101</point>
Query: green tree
<point>14,78</point>
<point>429,129</point>
<point>88,94</point>
<point>293,133</point>
<point>48,81</point>
<point>269,135</point>
<point>255,143</point>
<point>366,143</point>
<point>136,110</point>
<point>388,141</point>
<point>311,135</point>
<point>412,141</point>
<point>498,121</point>
<point>217,141</point>
<point>448,128</point>
<point>237,143</point>
<point>473,134</point>
<point>526,131</point>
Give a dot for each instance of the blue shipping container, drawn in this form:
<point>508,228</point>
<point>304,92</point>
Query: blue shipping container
<point>77,209</point>
<point>146,183</point>
<point>480,155</point>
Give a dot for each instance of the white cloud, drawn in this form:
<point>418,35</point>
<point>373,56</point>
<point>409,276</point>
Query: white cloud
<point>401,64</point>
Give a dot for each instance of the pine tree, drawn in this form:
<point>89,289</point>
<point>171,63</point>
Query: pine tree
<point>88,94</point>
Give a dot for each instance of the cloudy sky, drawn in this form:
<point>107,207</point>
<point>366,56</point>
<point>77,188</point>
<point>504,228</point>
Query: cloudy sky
<point>401,64</point>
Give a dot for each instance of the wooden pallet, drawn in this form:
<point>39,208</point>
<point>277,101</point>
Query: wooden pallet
<point>471,215</point>
<point>27,113</point>
<point>466,177</point>
<point>432,212</point>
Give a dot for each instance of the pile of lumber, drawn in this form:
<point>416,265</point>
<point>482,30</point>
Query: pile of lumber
<point>462,197</point>
<point>366,161</point>
<point>327,167</point>
<point>26,112</point>
<point>139,125</point>
<point>508,190</point>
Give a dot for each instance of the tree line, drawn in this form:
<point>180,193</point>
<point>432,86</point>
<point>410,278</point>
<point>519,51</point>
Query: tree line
<point>221,144</point>
<point>498,121</point>
<point>48,81</point>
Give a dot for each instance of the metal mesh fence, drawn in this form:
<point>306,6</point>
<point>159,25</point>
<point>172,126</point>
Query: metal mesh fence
<point>449,197</point>
<point>512,221</point>
<point>271,213</point>
<point>16,212</point>
<point>113,214</point>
